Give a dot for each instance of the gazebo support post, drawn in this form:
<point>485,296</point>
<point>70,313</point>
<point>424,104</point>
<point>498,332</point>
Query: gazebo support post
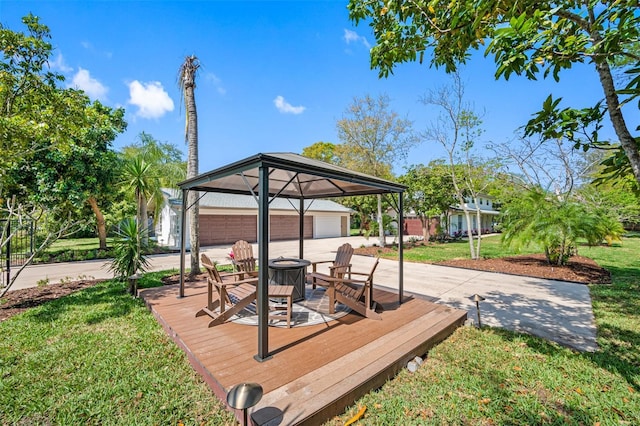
<point>401,248</point>
<point>183,249</point>
<point>263,261</point>
<point>301,240</point>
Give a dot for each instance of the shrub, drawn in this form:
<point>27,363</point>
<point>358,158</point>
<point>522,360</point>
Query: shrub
<point>128,258</point>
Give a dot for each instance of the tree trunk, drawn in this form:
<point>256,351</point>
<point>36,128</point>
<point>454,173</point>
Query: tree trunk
<point>188,75</point>
<point>479,223</point>
<point>426,231</point>
<point>383,241</point>
<point>143,226</point>
<point>627,141</point>
<point>102,228</point>
<point>472,249</point>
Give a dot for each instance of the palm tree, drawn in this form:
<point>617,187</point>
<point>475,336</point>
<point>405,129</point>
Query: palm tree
<point>165,163</point>
<point>556,224</point>
<point>187,81</point>
<point>139,176</point>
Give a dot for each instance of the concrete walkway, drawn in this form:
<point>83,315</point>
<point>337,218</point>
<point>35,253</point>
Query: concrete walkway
<point>555,310</point>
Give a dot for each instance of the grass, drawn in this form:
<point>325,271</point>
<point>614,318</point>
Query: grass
<point>77,249</point>
<point>99,357</point>
<point>494,376</point>
<point>64,244</point>
<point>490,248</point>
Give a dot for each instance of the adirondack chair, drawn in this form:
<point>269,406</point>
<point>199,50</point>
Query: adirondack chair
<point>339,266</point>
<point>243,259</point>
<point>356,293</point>
<point>235,292</point>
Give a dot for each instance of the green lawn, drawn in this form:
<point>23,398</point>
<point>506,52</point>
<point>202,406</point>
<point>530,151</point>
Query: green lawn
<point>77,244</point>
<point>99,357</point>
<point>493,376</point>
<point>490,248</point>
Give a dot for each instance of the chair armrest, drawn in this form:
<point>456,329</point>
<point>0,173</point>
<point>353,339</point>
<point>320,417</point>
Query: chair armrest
<point>333,269</point>
<point>233,274</point>
<point>238,282</point>
<point>314,264</point>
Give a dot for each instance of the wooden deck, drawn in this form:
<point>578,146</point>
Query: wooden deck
<point>316,371</point>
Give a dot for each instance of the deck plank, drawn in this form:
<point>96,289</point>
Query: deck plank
<point>315,371</point>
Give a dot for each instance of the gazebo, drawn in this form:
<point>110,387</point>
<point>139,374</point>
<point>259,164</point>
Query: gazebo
<point>291,176</point>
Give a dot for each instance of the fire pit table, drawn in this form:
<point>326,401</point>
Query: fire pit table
<point>289,271</point>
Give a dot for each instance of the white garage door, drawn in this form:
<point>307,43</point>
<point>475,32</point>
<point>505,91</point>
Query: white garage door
<point>327,226</point>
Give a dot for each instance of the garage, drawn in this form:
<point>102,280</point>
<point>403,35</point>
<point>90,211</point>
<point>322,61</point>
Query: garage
<point>227,229</point>
<point>227,218</point>
<point>327,226</point>
<point>286,227</point>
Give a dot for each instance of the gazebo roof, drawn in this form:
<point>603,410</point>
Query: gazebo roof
<point>290,176</point>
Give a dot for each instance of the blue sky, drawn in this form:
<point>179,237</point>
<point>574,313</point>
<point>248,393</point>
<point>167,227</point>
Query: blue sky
<point>275,75</point>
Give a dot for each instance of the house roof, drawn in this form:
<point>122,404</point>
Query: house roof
<point>290,176</point>
<point>241,201</point>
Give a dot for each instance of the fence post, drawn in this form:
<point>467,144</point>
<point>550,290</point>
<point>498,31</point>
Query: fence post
<point>9,251</point>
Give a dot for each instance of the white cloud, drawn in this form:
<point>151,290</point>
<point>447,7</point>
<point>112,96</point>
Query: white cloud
<point>217,83</point>
<point>150,98</point>
<point>58,64</point>
<point>286,108</point>
<point>353,37</point>
<point>93,88</point>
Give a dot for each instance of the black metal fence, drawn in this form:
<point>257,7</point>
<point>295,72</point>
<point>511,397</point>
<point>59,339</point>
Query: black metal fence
<point>18,249</point>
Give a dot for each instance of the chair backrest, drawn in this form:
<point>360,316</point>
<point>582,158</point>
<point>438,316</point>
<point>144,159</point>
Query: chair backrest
<point>365,284</point>
<point>243,256</point>
<point>343,259</point>
<point>369,279</point>
<point>211,269</point>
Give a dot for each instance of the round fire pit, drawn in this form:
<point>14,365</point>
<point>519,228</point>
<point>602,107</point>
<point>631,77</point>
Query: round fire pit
<point>289,271</point>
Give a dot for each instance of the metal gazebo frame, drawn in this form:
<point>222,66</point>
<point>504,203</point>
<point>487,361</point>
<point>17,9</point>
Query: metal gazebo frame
<point>286,175</point>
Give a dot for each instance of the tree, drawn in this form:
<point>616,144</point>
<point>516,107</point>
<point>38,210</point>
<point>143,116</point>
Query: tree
<point>430,192</point>
<point>528,38</point>
<point>35,115</point>
<point>165,163</point>
<point>140,177</point>
<point>323,151</point>
<point>41,125</point>
<point>457,128</point>
<point>373,139</point>
<point>556,223</point>
<point>187,80</point>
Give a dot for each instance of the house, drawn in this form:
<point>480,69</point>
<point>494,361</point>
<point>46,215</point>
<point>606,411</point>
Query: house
<point>488,215</point>
<point>227,218</point>
<point>457,224</point>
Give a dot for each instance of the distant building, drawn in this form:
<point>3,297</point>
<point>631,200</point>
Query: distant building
<point>227,218</point>
<point>488,215</point>
<point>457,224</point>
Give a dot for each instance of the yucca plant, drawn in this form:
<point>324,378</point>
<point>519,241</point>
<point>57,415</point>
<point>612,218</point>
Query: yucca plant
<point>128,252</point>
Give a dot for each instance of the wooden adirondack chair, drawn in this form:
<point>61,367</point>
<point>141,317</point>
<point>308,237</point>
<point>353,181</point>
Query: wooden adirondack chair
<point>243,259</point>
<point>339,266</point>
<point>234,293</point>
<point>356,293</point>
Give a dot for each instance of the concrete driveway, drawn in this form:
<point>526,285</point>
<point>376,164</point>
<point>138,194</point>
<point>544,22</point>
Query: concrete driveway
<point>555,310</point>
